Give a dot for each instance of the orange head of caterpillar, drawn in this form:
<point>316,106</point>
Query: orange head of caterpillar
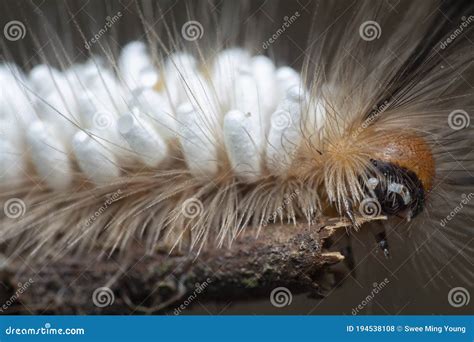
<point>404,170</point>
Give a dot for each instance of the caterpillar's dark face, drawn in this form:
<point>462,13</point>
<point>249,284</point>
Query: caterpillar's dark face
<point>405,174</point>
<point>400,192</point>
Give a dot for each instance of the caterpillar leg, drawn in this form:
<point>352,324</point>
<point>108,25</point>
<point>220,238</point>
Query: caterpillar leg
<point>381,239</point>
<point>348,253</point>
<point>349,212</point>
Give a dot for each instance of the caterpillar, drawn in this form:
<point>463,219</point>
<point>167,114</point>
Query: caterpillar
<point>194,131</point>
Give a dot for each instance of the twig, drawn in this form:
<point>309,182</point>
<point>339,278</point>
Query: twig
<point>289,255</point>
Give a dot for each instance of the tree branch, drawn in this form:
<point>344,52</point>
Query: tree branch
<point>288,255</point>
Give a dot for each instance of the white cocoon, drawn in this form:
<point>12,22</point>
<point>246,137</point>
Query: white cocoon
<point>52,110</point>
<point>179,69</point>
<point>156,109</point>
<point>263,71</point>
<point>45,79</point>
<point>285,132</point>
<point>11,162</point>
<point>287,78</point>
<point>136,66</point>
<point>142,139</point>
<point>247,101</point>
<point>225,70</point>
<point>242,141</point>
<point>97,163</point>
<point>49,156</point>
<point>198,141</point>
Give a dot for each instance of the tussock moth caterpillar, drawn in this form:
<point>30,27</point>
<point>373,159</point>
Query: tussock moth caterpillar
<point>204,131</point>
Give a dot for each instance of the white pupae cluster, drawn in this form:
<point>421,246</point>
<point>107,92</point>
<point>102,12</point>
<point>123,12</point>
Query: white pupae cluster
<point>105,120</point>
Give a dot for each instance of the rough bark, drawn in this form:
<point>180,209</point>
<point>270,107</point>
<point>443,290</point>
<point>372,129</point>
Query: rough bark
<point>290,256</point>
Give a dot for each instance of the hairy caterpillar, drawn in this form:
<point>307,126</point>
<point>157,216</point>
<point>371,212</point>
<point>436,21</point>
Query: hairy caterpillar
<point>198,131</point>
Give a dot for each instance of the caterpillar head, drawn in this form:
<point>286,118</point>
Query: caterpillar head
<point>393,172</point>
<point>404,174</point>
